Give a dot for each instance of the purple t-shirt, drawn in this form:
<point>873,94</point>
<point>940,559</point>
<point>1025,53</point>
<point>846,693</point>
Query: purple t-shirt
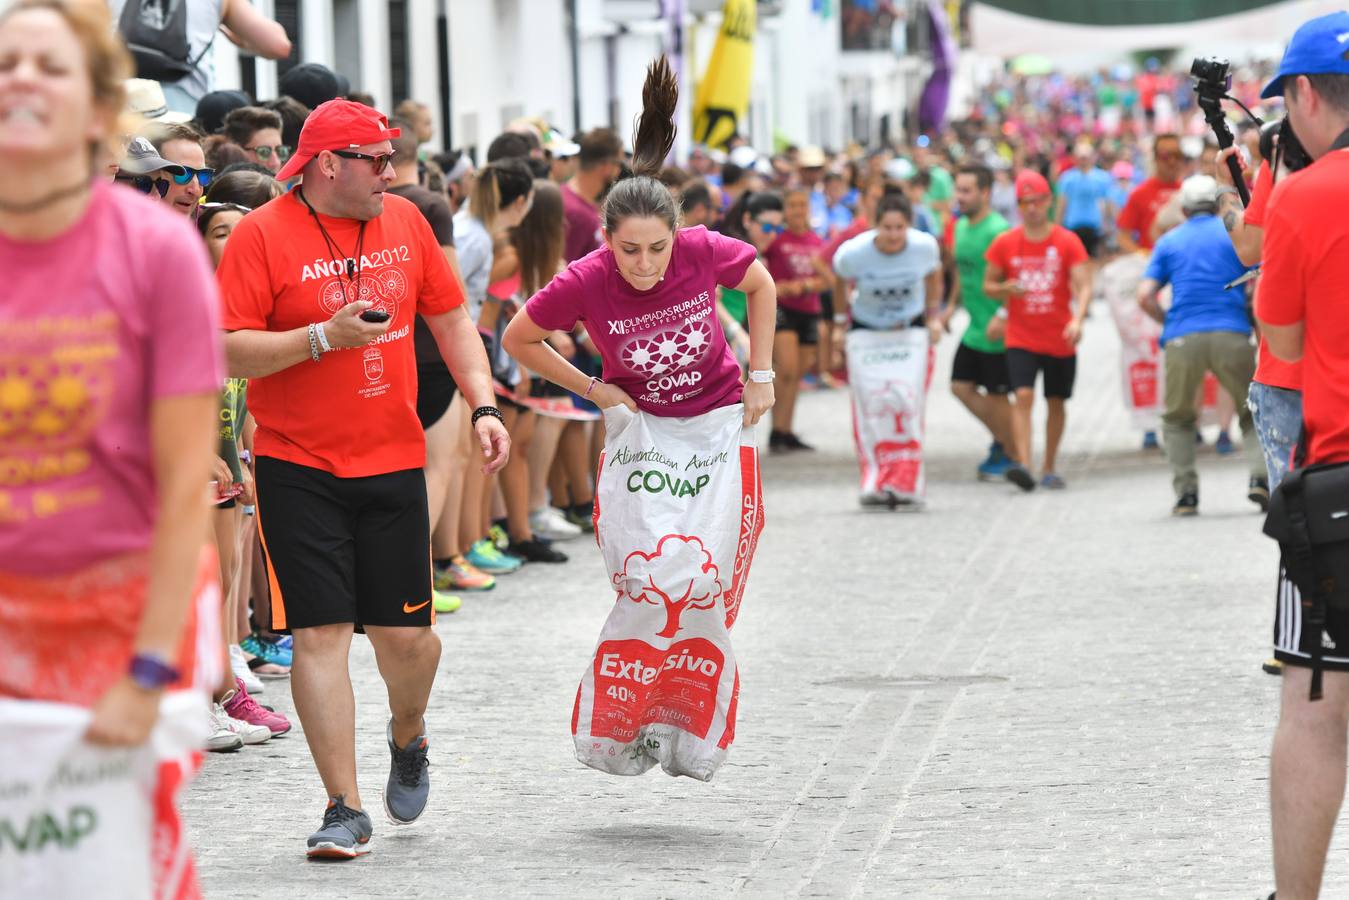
<point>664,347</point>
<point>583,225</point>
<point>116,313</point>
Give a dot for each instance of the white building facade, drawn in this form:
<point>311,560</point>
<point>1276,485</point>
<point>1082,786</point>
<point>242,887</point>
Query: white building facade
<point>481,63</point>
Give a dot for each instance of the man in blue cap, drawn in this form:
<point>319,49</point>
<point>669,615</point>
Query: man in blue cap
<point>1303,308</point>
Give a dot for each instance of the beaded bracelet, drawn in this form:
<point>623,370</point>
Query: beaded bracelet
<point>590,387</point>
<point>314,342</point>
<point>487,411</point>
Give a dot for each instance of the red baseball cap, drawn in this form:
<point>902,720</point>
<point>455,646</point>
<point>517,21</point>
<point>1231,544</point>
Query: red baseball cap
<point>337,125</point>
<point>1028,184</point>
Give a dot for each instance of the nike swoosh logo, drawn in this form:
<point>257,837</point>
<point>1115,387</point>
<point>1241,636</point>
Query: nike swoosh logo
<point>413,609</point>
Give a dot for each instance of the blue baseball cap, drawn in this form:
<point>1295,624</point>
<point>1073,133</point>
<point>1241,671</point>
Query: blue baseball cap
<point>1317,48</point>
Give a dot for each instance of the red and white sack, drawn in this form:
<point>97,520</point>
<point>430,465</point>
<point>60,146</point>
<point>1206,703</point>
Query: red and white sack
<point>1140,357</point>
<point>889,372</point>
<point>83,821</point>
<point>678,513</point>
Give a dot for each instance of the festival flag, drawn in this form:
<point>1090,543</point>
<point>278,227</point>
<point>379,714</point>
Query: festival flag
<point>722,99</point>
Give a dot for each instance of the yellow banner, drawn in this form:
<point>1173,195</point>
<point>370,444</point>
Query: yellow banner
<point>722,99</point>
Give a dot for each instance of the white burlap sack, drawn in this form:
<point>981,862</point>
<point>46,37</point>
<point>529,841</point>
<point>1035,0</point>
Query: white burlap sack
<point>82,821</point>
<point>678,512</point>
<point>1142,363</point>
<point>889,373</point>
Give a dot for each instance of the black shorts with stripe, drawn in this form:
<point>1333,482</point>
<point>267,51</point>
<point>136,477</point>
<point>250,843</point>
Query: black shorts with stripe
<point>345,550</point>
<point>1294,642</point>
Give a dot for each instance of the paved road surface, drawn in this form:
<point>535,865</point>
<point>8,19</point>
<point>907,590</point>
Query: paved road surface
<point>1054,695</point>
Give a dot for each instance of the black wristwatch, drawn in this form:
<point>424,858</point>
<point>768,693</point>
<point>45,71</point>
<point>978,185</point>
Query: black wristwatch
<point>487,411</point>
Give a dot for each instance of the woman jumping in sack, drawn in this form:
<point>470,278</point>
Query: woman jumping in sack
<point>678,496</point>
<point>647,291</point>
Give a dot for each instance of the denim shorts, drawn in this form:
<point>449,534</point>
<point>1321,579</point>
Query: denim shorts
<point>1278,422</point>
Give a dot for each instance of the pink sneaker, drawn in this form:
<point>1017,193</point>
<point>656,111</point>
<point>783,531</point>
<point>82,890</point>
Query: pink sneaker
<point>241,706</point>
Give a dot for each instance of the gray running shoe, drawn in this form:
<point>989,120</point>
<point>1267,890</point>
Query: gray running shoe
<point>345,834</point>
<point>409,782</point>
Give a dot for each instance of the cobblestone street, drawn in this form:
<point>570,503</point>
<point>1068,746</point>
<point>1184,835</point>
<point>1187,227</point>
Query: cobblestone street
<point>1045,695</point>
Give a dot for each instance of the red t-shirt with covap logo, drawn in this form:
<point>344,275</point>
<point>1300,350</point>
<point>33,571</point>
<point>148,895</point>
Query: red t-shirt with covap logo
<point>1037,316</point>
<point>352,413</point>
<point>664,346</point>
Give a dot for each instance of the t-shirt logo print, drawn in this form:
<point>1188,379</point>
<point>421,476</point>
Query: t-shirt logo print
<point>658,354</point>
<point>384,287</point>
<point>374,364</point>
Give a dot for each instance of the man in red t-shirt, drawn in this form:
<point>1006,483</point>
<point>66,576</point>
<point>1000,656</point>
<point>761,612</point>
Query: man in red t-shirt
<point>1041,272</point>
<point>1303,306</point>
<point>1140,210</point>
<point>320,291</point>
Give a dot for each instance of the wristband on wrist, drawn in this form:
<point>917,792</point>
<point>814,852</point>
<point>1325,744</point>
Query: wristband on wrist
<point>1001,313</point>
<point>590,387</point>
<point>487,411</point>
<point>151,672</point>
<point>313,343</point>
<point>761,376</point>
<point>323,338</point>
<point>840,318</point>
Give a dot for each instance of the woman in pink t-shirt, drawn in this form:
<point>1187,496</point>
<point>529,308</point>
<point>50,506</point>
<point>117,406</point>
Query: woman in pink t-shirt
<point>110,370</point>
<point>647,297</point>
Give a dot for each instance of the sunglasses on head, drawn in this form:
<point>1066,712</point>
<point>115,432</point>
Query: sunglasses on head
<point>770,228</point>
<point>381,161</point>
<point>265,152</point>
<point>203,176</point>
<point>146,184</point>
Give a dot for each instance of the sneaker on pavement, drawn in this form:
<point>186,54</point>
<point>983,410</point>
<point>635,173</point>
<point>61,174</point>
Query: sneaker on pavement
<point>549,523</point>
<point>1020,476</point>
<point>536,551</point>
<point>795,443</point>
<point>1223,446</point>
<point>239,666</point>
<point>1187,505</point>
<point>444,603</point>
<point>409,781</point>
<point>248,732</point>
<point>994,468</point>
<point>1272,666</point>
<point>239,705</point>
<point>345,834</point>
<point>1150,441</point>
<point>1053,482</point>
<point>269,653</point>
<point>777,442</point>
<point>497,535</point>
<point>221,738</point>
<point>1258,492</point>
<point>581,515</point>
<point>485,556</point>
<point>461,575</point>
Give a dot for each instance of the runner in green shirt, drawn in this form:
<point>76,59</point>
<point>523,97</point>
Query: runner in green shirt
<point>979,376</point>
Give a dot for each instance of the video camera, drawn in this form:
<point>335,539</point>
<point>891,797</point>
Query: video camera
<point>1212,80</point>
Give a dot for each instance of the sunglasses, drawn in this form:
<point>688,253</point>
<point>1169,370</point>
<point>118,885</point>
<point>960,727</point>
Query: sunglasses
<point>264,152</point>
<point>770,228</point>
<point>146,184</point>
<point>203,176</point>
<point>381,162</point>
<point>218,207</point>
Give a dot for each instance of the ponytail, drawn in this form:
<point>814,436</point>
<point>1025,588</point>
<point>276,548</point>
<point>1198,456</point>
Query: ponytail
<point>642,195</point>
<point>499,184</point>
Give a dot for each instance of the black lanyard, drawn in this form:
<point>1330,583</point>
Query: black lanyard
<point>353,267</point>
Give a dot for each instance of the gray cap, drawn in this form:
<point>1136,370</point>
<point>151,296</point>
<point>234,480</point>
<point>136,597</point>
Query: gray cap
<point>142,158</point>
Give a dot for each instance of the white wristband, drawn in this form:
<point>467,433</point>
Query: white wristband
<point>761,376</point>
<point>323,338</point>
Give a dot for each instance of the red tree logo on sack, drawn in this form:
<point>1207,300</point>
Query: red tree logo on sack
<point>680,574</point>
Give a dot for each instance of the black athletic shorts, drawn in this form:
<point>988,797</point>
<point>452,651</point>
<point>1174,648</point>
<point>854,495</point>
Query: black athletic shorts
<point>343,550</point>
<point>1091,238</point>
<point>988,370</point>
<point>1294,639</point>
<point>1060,372</point>
<point>806,325</point>
<point>435,391</point>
